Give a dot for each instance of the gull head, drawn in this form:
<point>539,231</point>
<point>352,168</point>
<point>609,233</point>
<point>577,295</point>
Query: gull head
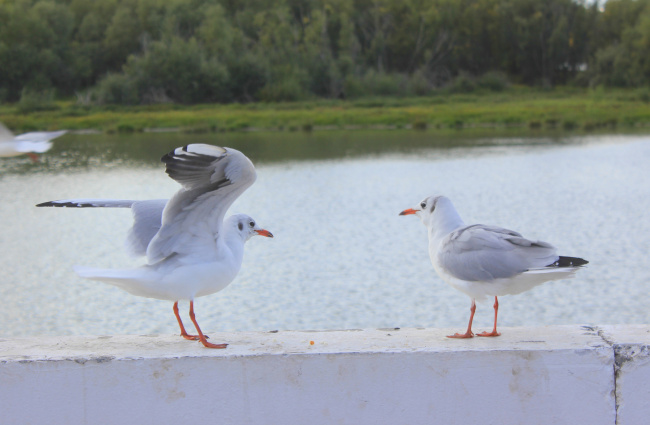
<point>425,209</point>
<point>246,227</point>
<point>435,211</point>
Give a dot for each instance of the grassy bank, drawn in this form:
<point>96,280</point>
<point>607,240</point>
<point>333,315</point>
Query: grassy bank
<point>560,108</point>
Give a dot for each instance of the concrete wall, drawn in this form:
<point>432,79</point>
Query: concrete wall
<point>547,375</point>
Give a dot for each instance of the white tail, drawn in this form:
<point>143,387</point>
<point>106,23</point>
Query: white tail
<point>134,281</point>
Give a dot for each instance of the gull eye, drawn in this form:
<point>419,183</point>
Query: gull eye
<point>423,204</point>
<point>251,224</point>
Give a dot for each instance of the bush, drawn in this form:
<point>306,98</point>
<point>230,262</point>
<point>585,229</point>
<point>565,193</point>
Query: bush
<point>375,83</point>
<point>419,84</point>
<point>611,67</point>
<point>644,94</point>
<point>171,71</point>
<point>353,87</point>
<point>117,89</point>
<point>34,101</point>
<point>282,91</point>
<point>493,81</point>
<point>247,76</point>
<point>178,70</point>
<point>288,87</point>
<point>463,83</point>
<point>387,84</point>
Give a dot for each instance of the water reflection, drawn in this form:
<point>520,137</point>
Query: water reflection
<point>79,151</point>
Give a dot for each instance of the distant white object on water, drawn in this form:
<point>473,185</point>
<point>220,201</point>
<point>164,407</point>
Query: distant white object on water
<point>484,261</point>
<point>26,144</point>
<point>191,250</point>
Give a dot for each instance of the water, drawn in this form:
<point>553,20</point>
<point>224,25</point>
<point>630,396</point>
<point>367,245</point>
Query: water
<point>341,257</point>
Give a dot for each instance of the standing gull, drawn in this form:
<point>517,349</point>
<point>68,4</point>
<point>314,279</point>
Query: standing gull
<point>484,261</point>
<point>191,250</point>
<point>28,143</point>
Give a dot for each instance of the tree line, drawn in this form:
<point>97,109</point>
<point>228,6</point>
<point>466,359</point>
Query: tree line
<point>197,51</point>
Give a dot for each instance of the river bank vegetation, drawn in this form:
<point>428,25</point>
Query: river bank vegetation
<point>559,108</point>
<point>127,65</point>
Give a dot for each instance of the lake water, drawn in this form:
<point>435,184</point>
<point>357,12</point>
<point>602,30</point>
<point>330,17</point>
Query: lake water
<point>341,257</point>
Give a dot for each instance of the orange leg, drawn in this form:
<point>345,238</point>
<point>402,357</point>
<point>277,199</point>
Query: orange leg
<point>32,156</point>
<point>469,333</point>
<point>496,311</point>
<point>180,323</point>
<point>202,337</point>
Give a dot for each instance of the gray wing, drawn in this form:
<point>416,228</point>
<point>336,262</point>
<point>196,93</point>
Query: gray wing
<point>212,178</point>
<point>147,217</point>
<point>38,141</point>
<point>484,253</point>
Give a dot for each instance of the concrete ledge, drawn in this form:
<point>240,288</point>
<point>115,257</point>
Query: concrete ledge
<point>545,375</point>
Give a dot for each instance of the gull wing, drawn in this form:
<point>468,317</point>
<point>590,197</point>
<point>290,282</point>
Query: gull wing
<point>89,203</point>
<point>147,217</point>
<point>483,253</point>
<point>38,141</point>
<point>147,220</point>
<point>212,178</point>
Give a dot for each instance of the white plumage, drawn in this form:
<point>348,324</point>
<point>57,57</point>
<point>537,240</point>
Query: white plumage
<point>191,251</point>
<point>26,144</point>
<point>483,261</point>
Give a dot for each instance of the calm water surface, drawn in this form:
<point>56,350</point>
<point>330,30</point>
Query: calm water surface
<point>341,256</point>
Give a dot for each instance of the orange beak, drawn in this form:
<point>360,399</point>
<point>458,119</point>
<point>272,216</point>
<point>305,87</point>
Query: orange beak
<point>407,212</point>
<point>264,233</point>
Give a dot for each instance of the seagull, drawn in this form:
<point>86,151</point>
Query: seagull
<point>191,251</point>
<point>483,261</point>
<point>28,143</point>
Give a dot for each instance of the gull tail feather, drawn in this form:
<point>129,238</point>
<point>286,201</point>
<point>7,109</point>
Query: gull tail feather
<point>535,277</point>
<point>134,281</point>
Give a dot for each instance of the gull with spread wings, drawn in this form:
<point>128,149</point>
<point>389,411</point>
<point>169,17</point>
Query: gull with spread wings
<point>191,251</point>
<point>484,261</point>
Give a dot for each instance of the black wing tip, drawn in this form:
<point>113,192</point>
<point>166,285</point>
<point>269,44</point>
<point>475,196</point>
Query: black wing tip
<point>48,204</point>
<point>569,262</point>
<point>65,204</point>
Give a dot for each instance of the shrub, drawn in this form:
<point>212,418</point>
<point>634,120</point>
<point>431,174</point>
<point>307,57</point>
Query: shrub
<point>247,77</point>
<point>116,89</point>
<point>375,83</point>
<point>494,81</point>
<point>34,101</point>
<point>419,85</point>
<point>288,85</point>
<point>644,94</point>
<point>463,83</point>
<point>174,70</point>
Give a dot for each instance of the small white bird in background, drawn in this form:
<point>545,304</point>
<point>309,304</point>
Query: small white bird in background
<point>191,250</point>
<point>484,261</point>
<point>26,144</point>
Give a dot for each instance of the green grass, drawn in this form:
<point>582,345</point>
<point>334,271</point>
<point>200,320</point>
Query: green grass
<point>563,108</point>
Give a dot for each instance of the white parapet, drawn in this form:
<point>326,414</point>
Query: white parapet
<point>547,375</point>
<point>632,371</point>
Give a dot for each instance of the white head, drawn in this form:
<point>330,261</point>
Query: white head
<point>437,213</point>
<point>245,227</point>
